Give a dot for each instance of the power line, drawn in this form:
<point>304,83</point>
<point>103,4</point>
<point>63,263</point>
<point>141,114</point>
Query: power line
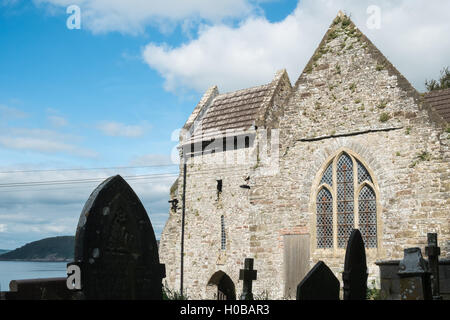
<point>148,181</point>
<point>78,181</point>
<point>87,169</point>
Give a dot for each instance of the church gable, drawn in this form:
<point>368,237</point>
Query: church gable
<point>238,111</point>
<point>347,87</point>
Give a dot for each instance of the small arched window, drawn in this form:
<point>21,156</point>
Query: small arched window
<point>345,196</point>
<point>223,235</point>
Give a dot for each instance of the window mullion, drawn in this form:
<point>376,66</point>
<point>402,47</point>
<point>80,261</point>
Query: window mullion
<point>355,195</point>
<point>334,190</point>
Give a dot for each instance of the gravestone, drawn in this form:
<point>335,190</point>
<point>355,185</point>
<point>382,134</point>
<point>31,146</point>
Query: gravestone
<point>414,276</point>
<point>247,275</point>
<point>115,246</point>
<point>355,268</point>
<point>319,284</point>
<point>433,252</point>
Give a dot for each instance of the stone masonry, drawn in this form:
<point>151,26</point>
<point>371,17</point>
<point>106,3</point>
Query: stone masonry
<point>350,99</point>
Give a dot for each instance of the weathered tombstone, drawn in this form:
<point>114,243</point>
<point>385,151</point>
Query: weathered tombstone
<point>115,246</point>
<point>319,284</point>
<point>433,252</point>
<point>355,268</point>
<point>248,275</point>
<point>414,276</point>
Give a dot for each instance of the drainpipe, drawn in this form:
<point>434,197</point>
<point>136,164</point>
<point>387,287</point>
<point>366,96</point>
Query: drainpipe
<point>182,225</point>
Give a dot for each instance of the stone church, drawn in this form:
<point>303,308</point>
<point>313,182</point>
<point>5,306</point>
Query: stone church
<point>282,173</point>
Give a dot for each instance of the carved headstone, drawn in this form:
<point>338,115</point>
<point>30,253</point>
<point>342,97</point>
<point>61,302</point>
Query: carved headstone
<point>355,268</point>
<point>414,276</point>
<point>319,284</point>
<point>115,246</point>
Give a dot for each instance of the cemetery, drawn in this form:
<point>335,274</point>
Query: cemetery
<point>117,255</point>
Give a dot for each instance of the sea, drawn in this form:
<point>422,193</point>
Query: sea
<point>21,270</point>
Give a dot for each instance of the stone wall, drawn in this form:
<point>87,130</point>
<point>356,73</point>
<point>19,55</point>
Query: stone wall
<point>349,98</point>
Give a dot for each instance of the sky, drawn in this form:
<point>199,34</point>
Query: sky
<point>107,96</point>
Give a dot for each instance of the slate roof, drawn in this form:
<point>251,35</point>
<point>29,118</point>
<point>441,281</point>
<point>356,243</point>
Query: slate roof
<point>439,100</point>
<point>235,111</point>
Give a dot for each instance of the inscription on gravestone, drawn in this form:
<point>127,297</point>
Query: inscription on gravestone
<point>319,284</point>
<point>355,268</point>
<point>115,246</point>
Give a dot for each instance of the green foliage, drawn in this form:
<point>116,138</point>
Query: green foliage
<point>384,117</point>
<point>379,67</point>
<point>333,34</point>
<point>442,83</point>
<point>346,22</point>
<point>447,130</point>
<point>424,156</point>
<point>408,130</point>
<point>169,294</point>
<point>353,87</point>
<point>373,293</point>
<point>382,104</point>
<point>338,69</point>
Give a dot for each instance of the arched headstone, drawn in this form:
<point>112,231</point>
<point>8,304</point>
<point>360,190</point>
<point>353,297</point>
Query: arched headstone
<point>115,246</point>
<point>355,268</point>
<point>319,284</point>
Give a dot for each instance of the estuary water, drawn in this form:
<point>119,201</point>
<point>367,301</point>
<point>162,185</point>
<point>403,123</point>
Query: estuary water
<point>20,270</point>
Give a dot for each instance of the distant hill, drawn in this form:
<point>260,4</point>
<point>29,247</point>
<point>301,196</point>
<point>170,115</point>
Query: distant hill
<point>49,249</point>
<point>2,251</point>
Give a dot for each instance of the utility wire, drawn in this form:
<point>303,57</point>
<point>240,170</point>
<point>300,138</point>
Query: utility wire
<point>86,169</point>
<point>77,181</point>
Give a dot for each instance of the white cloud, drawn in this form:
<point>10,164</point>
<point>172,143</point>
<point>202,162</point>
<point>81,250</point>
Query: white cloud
<point>152,160</point>
<point>117,129</point>
<point>132,16</point>
<point>33,213</point>
<point>58,121</point>
<point>3,227</point>
<point>11,113</point>
<point>42,141</point>
<point>413,36</point>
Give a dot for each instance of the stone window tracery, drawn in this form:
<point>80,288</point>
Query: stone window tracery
<point>345,200</point>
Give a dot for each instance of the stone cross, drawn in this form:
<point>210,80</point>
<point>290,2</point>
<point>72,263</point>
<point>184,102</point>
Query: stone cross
<point>319,284</point>
<point>115,246</point>
<point>247,275</point>
<point>414,276</point>
<point>433,252</point>
<point>355,268</point>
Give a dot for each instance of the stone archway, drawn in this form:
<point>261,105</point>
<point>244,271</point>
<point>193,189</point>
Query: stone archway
<point>225,286</point>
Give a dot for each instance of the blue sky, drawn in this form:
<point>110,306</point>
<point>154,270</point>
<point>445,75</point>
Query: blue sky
<point>112,93</point>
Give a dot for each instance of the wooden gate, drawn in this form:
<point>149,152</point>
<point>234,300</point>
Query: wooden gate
<point>296,261</point>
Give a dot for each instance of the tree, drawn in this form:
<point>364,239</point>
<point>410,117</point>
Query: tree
<point>442,83</point>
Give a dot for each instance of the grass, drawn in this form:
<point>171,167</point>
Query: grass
<point>424,156</point>
<point>373,293</point>
<point>384,117</point>
<point>382,104</point>
<point>338,69</point>
<point>169,294</point>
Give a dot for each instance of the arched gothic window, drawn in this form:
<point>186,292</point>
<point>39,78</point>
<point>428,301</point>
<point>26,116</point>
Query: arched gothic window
<point>345,200</point>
